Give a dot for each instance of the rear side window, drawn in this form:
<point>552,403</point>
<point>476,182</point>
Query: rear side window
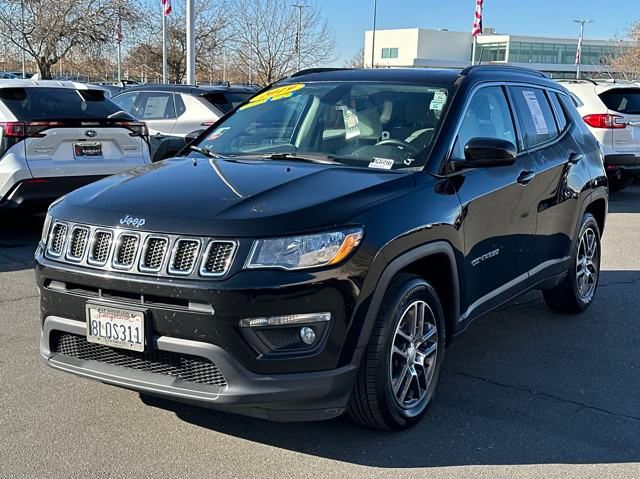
<point>33,103</point>
<point>535,115</point>
<point>155,106</point>
<point>127,101</point>
<point>560,113</point>
<point>226,101</point>
<point>622,100</point>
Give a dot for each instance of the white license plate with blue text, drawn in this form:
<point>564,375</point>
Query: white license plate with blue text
<point>115,327</point>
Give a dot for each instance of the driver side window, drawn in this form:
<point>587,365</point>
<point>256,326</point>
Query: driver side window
<point>488,116</point>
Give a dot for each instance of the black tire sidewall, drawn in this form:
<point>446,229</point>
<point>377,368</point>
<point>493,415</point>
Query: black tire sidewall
<point>587,221</point>
<point>395,415</point>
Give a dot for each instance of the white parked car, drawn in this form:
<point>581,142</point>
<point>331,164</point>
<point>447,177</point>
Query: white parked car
<point>56,136</point>
<point>611,110</point>
<point>181,110</point>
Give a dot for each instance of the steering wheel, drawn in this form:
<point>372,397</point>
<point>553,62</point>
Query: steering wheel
<point>400,144</point>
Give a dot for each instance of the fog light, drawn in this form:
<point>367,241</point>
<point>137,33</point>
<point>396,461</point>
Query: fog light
<point>285,320</point>
<point>308,335</point>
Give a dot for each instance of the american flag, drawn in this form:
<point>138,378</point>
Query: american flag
<point>166,7</point>
<point>477,19</point>
<point>579,51</point>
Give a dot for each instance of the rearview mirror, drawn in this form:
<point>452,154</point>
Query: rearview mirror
<point>487,152</point>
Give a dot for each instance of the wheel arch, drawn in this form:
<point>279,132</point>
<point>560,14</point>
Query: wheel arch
<point>436,263</point>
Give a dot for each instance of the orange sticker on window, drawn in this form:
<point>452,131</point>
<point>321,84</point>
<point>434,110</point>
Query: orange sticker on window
<point>273,95</point>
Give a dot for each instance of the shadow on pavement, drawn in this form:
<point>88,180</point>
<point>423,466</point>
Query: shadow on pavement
<point>626,201</point>
<point>522,386</point>
<point>19,235</point>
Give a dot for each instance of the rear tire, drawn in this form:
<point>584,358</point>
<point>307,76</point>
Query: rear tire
<point>401,368</point>
<point>577,291</point>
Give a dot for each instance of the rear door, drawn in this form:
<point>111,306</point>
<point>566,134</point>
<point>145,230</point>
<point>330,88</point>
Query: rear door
<point>68,132</point>
<point>624,103</point>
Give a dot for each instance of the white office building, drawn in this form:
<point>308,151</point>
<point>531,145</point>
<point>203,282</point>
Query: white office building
<point>423,48</point>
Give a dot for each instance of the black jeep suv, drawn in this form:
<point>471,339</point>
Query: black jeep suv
<point>315,250</point>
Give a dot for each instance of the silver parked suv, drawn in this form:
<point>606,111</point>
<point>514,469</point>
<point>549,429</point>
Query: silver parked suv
<point>611,110</point>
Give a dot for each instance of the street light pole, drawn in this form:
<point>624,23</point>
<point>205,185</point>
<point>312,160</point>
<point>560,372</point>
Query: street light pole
<point>24,62</point>
<point>373,38</point>
<point>191,44</point>
<point>580,41</point>
<point>299,6</point>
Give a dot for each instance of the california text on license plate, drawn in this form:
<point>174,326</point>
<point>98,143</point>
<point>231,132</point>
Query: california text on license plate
<point>115,327</point>
<point>87,149</point>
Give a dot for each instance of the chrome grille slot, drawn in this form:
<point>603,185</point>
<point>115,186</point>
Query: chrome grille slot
<point>57,239</point>
<point>185,254</point>
<point>125,252</point>
<point>100,247</point>
<point>217,258</point>
<point>77,243</point>
<point>153,253</point>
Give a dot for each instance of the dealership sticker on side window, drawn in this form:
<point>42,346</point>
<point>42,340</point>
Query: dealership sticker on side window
<point>381,163</point>
<point>536,112</point>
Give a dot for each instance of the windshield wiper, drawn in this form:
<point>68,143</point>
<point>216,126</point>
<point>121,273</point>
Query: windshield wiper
<point>205,151</point>
<point>326,159</point>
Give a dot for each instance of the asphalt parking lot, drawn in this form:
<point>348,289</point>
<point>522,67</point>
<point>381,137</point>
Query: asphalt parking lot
<point>525,393</point>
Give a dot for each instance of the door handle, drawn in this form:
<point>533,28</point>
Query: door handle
<point>575,158</point>
<point>526,177</point>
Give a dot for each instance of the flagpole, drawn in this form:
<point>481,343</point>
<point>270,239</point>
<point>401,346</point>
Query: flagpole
<point>580,42</point>
<point>473,50</point>
<point>191,43</point>
<point>164,43</point>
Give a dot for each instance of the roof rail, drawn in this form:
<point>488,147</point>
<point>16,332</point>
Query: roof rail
<point>317,70</point>
<point>576,80</point>
<point>507,68</point>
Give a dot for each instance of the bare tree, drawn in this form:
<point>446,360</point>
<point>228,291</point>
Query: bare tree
<point>210,34</point>
<point>357,61</point>
<point>628,62</point>
<point>264,39</point>
<point>50,29</point>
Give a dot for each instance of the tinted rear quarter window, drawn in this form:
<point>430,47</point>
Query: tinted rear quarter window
<point>560,113</point>
<point>225,101</point>
<point>534,115</point>
<point>622,100</point>
<point>35,103</point>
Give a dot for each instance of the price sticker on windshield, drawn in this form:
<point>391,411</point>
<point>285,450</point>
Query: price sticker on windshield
<point>274,94</point>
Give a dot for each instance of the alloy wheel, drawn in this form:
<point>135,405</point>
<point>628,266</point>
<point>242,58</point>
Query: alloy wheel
<point>587,265</point>
<point>413,354</point>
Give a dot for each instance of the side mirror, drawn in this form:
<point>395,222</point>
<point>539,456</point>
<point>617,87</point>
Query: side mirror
<point>486,153</point>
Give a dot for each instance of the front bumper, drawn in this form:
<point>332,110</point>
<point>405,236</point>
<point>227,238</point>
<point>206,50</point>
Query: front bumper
<point>279,397</point>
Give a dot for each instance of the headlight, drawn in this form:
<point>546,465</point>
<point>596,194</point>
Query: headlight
<point>308,251</point>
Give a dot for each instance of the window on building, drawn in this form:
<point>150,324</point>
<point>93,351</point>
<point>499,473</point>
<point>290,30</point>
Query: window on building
<point>491,52</point>
<point>389,53</point>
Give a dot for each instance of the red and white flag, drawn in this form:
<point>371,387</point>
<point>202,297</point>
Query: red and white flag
<point>166,7</point>
<point>477,19</point>
<point>579,52</point>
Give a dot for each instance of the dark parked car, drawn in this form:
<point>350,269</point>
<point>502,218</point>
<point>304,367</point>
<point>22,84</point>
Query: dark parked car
<point>317,249</point>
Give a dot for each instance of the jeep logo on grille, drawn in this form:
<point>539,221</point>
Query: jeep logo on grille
<point>131,221</point>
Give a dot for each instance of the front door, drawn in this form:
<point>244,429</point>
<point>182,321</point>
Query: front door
<point>499,205</point>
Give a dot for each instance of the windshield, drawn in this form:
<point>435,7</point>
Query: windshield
<point>375,125</point>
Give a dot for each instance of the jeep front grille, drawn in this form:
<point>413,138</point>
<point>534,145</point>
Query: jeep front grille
<point>57,239</point>
<point>78,242</point>
<point>184,256</point>
<point>153,253</point>
<point>139,252</point>
<point>185,367</point>
<point>217,258</point>
<point>100,249</point>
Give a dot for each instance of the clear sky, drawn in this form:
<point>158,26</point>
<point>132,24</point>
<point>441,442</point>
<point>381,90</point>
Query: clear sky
<point>350,18</point>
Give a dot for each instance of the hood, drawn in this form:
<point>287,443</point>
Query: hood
<point>224,197</point>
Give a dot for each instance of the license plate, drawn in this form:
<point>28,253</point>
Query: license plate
<point>87,150</point>
<point>115,327</point>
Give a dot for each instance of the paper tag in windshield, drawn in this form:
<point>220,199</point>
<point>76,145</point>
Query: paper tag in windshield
<point>381,163</point>
<point>351,123</point>
<point>439,99</point>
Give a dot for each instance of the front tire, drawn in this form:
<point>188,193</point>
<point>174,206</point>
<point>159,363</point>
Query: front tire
<point>577,291</point>
<point>401,368</point>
